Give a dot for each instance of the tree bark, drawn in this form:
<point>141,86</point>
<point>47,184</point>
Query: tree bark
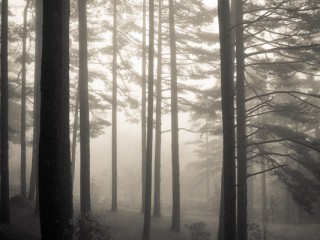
<point>227,102</point>
<point>241,128</point>
<point>143,108</point>
<point>23,180</point>
<point>157,164</point>
<point>114,110</point>
<point>55,187</point>
<point>175,223</point>
<point>147,210</point>
<point>4,196</point>
<point>264,193</point>
<point>85,199</point>
<point>74,135</point>
<point>36,101</point>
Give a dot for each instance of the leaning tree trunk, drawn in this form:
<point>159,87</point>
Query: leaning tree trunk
<point>85,199</point>
<point>241,128</point>
<point>23,180</point>
<point>143,108</point>
<point>55,186</point>
<point>147,210</point>
<point>4,196</point>
<point>114,111</point>
<point>74,135</point>
<point>175,224</point>
<point>227,103</point>
<point>157,161</point>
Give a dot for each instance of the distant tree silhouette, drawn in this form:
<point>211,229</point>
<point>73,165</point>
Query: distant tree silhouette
<point>147,210</point>
<point>175,223</point>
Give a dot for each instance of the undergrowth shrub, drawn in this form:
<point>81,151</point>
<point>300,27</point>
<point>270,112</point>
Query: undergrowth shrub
<point>88,227</point>
<point>197,231</point>
<point>254,231</point>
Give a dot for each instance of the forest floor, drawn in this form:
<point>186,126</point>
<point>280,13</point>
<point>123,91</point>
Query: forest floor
<point>126,225</point>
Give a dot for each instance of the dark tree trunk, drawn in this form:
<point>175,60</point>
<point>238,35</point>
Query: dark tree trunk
<point>175,224</point>
<point>74,135</point>
<point>147,210</point>
<point>114,111</point>
<point>221,210</point>
<point>36,101</point>
<point>241,128</point>
<point>4,196</point>
<point>157,164</point>
<point>55,187</point>
<point>143,108</point>
<point>85,198</point>
<point>227,102</point>
<point>23,180</point>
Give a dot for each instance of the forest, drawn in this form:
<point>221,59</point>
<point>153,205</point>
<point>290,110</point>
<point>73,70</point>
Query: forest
<point>160,120</point>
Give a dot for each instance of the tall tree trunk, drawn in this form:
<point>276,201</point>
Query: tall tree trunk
<point>264,192</point>
<point>55,187</point>
<point>157,164</point>
<point>74,135</point>
<point>36,101</point>
<point>175,223</point>
<point>147,210</point>
<point>114,110</point>
<point>85,198</point>
<point>221,210</point>
<point>250,196</point>
<point>227,102</point>
<point>207,168</point>
<point>143,108</point>
<point>23,183</point>
<point>4,196</point>
<point>241,128</point>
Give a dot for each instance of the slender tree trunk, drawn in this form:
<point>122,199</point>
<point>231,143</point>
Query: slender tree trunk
<point>85,198</point>
<point>250,196</point>
<point>4,196</point>
<point>147,210</point>
<point>175,223</point>
<point>74,135</point>
<point>143,108</point>
<point>221,210</point>
<point>264,193</point>
<point>241,128</point>
<point>207,167</point>
<point>37,100</point>
<point>114,111</point>
<point>55,186</point>
<point>227,102</point>
<point>157,164</point>
<point>23,104</point>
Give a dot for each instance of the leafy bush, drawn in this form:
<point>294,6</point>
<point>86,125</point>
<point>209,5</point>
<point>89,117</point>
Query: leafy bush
<point>88,227</point>
<point>254,231</point>
<point>197,231</point>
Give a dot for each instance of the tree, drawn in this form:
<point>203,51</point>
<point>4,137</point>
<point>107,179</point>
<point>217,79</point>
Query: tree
<point>147,210</point>
<point>33,188</point>
<point>143,107</point>
<point>157,161</point>
<point>4,207</point>
<point>23,103</point>
<point>55,185</point>
<point>84,110</point>
<point>114,109</point>
<point>175,223</point>
<point>241,128</point>
<point>227,104</point>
